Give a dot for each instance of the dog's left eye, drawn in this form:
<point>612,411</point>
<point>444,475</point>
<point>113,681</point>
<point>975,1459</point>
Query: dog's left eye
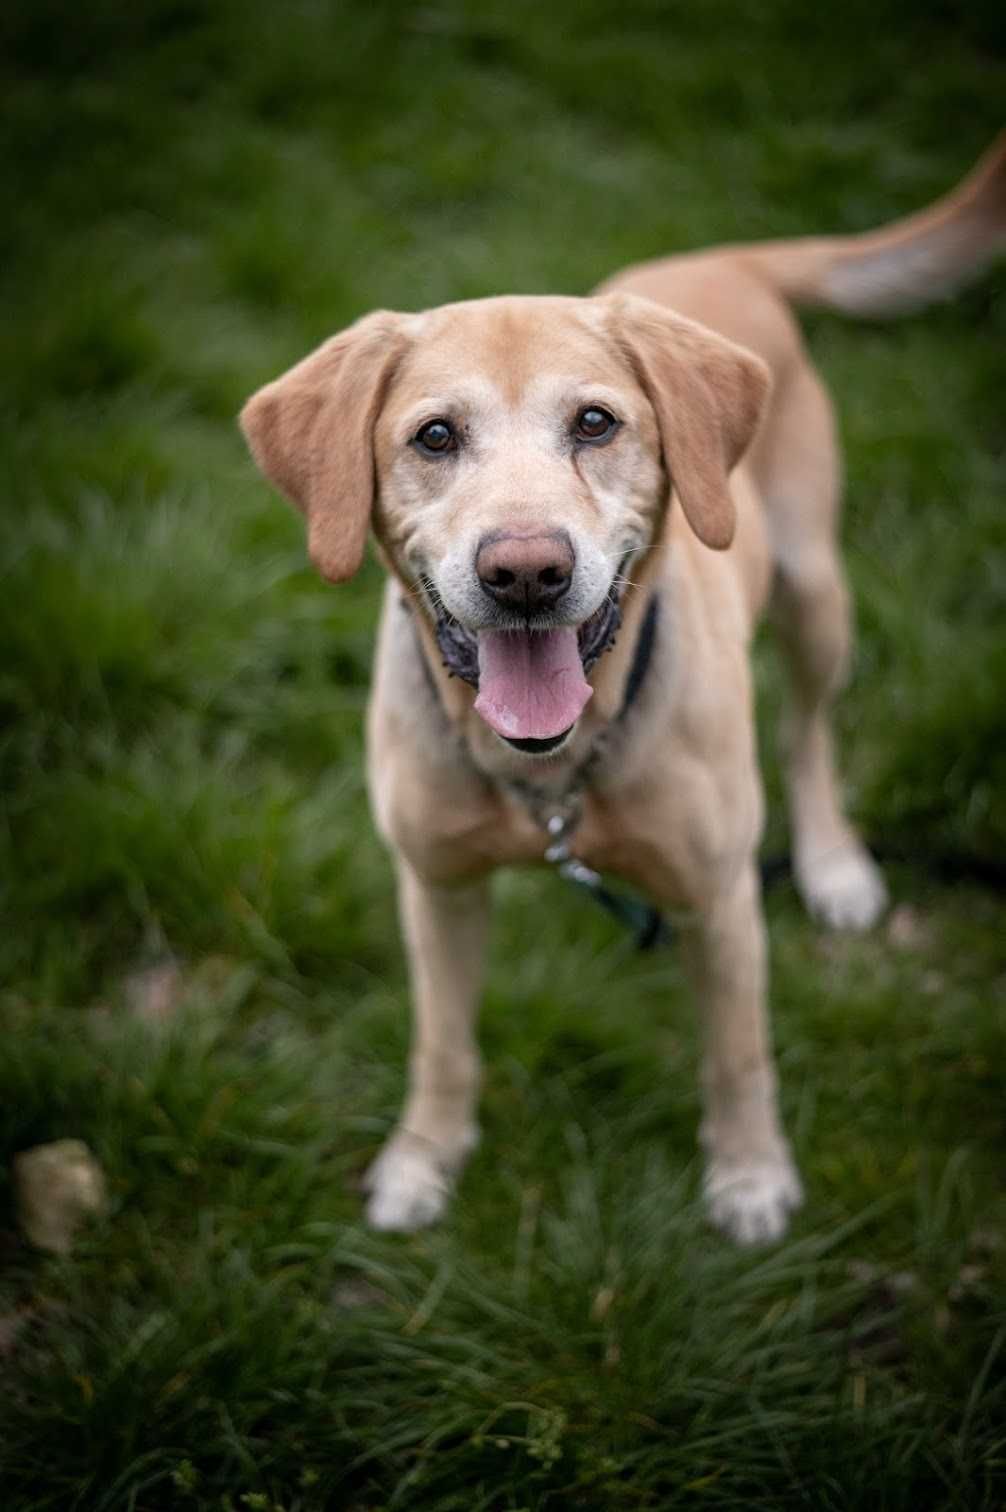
<point>436,437</point>
<point>594,424</point>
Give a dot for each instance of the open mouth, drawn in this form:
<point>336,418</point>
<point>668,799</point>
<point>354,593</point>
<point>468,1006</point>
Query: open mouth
<point>531,681</point>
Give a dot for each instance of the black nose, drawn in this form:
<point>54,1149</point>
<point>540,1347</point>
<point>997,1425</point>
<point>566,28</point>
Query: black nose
<point>527,573</point>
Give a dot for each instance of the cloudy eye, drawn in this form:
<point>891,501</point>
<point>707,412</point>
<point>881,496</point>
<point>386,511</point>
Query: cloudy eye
<point>436,437</point>
<point>595,424</point>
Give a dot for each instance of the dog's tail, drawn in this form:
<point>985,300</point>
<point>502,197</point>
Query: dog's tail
<point>901,267</point>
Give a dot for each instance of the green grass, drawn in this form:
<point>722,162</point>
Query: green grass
<point>196,193</point>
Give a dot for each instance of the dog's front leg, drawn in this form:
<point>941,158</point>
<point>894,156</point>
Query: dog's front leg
<point>750,1181</point>
<point>445,932</point>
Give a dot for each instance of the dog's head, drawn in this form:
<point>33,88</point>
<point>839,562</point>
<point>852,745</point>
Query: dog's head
<point>513,455</point>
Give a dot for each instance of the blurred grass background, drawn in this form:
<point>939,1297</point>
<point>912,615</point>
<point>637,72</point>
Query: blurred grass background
<point>193,194</point>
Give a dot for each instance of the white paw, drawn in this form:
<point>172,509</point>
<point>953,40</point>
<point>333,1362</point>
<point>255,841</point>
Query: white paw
<point>751,1202</point>
<point>410,1182</point>
<point>843,888</point>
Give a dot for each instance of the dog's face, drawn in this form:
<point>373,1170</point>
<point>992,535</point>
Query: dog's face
<point>514,456</point>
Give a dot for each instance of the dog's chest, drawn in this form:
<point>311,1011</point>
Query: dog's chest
<point>617,838</point>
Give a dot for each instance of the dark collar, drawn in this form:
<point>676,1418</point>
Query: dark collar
<point>641,656</point>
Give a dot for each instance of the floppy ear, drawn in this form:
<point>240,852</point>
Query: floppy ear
<point>311,432</point>
<point>708,396</point>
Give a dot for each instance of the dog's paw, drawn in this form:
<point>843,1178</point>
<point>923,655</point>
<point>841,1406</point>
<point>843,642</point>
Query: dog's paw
<point>751,1201</point>
<point>844,888</point>
<point>409,1184</point>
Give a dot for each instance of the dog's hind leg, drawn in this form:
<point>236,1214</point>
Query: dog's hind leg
<point>446,930</point>
<point>796,465</point>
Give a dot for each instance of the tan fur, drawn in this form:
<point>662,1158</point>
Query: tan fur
<point>722,415</point>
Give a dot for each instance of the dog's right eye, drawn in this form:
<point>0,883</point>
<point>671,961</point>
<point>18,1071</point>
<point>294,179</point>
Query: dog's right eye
<point>436,437</point>
<point>595,424</point>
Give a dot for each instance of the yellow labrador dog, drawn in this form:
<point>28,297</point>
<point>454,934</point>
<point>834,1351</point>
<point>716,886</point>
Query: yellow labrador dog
<point>583,506</point>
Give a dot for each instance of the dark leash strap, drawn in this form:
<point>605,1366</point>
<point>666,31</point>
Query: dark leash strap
<point>646,922</point>
<point>650,928</point>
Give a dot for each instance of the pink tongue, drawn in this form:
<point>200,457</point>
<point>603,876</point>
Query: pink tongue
<point>531,684</point>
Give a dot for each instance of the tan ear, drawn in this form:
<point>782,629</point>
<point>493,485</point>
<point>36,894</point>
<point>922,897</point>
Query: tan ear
<point>708,396</point>
<point>311,432</point>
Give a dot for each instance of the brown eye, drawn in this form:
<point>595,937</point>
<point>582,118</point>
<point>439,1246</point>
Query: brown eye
<point>594,424</point>
<point>436,437</point>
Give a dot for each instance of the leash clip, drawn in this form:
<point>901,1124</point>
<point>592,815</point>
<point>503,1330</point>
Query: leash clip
<point>559,827</point>
<point>575,870</point>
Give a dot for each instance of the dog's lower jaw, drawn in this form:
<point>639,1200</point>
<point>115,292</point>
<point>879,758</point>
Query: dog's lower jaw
<point>548,747</point>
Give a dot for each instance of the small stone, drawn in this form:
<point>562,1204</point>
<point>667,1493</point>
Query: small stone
<point>968,1283</point>
<point>11,1325</point>
<point>905,928</point>
<point>58,1187</point>
<point>153,993</point>
<point>355,1292</point>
